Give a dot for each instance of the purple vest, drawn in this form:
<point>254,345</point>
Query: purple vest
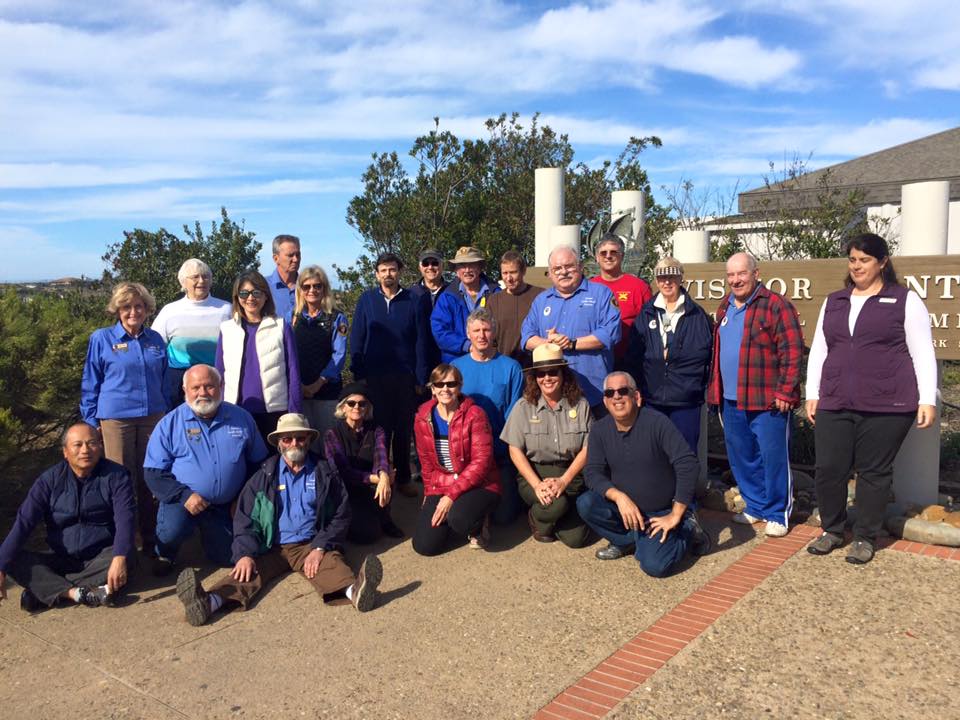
<point>872,370</point>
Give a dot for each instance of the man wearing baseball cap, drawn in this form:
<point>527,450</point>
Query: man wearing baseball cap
<point>430,285</point>
<point>472,290</point>
<point>292,515</point>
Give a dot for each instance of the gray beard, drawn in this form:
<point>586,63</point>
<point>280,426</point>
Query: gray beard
<point>294,455</point>
<point>205,407</point>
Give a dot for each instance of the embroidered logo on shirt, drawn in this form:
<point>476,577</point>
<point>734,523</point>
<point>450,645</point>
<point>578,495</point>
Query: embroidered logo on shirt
<point>623,295</point>
<point>588,301</point>
<point>234,431</point>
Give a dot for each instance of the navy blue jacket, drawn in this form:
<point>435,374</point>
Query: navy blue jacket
<point>82,516</point>
<point>390,338</point>
<point>418,289</point>
<point>256,524</point>
<point>448,321</point>
<point>680,380</point>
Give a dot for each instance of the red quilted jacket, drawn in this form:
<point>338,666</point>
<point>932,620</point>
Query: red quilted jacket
<point>471,451</point>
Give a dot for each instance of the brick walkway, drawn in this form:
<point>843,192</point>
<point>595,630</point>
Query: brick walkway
<point>600,690</point>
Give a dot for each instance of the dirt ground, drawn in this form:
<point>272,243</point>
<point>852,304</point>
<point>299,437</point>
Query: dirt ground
<point>497,635</point>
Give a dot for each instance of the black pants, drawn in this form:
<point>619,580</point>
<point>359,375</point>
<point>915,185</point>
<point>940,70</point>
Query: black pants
<point>367,518</point>
<point>48,575</point>
<point>266,424</point>
<point>465,518</point>
<point>868,442</point>
<point>394,404</point>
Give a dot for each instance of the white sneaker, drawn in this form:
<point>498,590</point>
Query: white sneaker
<point>775,529</point>
<point>745,518</point>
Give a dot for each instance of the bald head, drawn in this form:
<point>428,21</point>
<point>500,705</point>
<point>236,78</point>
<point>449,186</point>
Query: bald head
<point>203,390</point>
<point>742,276</point>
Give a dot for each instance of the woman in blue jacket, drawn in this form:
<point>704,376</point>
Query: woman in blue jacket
<point>670,351</point>
<point>122,390</point>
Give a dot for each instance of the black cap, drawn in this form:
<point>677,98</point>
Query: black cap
<point>430,253</point>
<point>354,388</point>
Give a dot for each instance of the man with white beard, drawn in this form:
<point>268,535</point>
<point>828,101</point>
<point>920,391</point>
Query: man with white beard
<point>292,515</point>
<point>198,458</point>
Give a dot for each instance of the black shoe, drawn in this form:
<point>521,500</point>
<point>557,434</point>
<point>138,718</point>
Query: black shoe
<point>162,567</point>
<point>612,552</point>
<point>390,529</point>
<point>30,603</point>
<point>825,544</point>
<point>700,542</point>
<point>94,596</point>
<point>860,552</point>
<point>196,600</point>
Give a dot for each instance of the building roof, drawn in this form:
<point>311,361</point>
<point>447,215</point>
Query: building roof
<point>879,175</point>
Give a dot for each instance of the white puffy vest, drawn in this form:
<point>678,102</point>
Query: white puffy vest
<point>270,352</point>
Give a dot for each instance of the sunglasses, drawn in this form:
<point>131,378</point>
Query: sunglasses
<point>430,263</point>
<point>552,372</point>
<point>244,294</point>
<point>312,287</point>
<point>617,392</point>
<point>291,439</point>
<point>609,253</point>
<point>356,403</point>
<point>447,384</point>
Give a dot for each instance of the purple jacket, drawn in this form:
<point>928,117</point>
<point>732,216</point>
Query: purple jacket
<point>870,371</point>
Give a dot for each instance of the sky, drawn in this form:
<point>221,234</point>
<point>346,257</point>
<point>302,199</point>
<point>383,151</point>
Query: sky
<point>145,114</point>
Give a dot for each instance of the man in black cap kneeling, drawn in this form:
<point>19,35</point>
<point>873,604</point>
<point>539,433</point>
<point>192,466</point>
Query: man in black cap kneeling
<point>292,515</point>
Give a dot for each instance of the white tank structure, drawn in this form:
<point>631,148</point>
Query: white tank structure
<point>566,236</point>
<point>547,210</point>
<point>924,228</point>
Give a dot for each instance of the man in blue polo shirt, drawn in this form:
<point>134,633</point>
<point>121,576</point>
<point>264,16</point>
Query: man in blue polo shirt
<point>198,458</point>
<point>579,316</point>
<point>283,280</point>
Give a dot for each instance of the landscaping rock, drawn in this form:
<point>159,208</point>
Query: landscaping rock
<point>933,513</point>
<point>918,530</point>
<point>953,519</point>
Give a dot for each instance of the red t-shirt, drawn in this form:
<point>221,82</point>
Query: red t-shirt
<point>631,293</point>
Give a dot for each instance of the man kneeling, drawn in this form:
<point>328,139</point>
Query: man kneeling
<point>292,515</point>
<point>87,504</point>
<point>641,475</point>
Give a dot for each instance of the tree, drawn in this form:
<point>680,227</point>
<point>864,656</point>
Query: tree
<point>477,192</point>
<point>153,258</point>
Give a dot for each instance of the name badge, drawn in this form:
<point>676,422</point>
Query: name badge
<point>888,300</point>
<point>534,419</point>
<point>121,347</point>
<point>281,487</point>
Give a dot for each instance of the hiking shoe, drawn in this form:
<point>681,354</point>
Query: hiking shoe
<point>775,529</point>
<point>860,552</point>
<point>363,592</point>
<point>700,543</point>
<point>825,544</point>
<point>196,600</point>
<point>745,518</point>
<point>94,596</point>
<point>476,542</point>
<point>611,552</point>
<point>29,602</point>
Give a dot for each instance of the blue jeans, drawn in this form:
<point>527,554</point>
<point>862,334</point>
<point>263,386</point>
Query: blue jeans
<point>510,503</point>
<point>685,419</point>
<point>175,525</point>
<point>656,558</point>
<point>758,448</point>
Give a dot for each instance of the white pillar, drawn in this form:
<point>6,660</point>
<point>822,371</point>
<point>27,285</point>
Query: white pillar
<point>624,201</point>
<point>916,471</point>
<point>566,235</point>
<point>925,212</point>
<point>691,246</point>
<point>548,209</point>
<point>953,229</point>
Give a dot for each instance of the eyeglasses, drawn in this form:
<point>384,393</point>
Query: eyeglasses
<point>617,392</point>
<point>311,287</point>
<point>244,294</point>
<point>294,439</point>
<point>609,253</point>
<point>446,384</point>
<point>552,372</point>
<point>356,403</point>
<point>557,269</point>
<point>430,263</point>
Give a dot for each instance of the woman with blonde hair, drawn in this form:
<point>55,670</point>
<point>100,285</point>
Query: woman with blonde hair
<point>320,331</point>
<point>122,390</point>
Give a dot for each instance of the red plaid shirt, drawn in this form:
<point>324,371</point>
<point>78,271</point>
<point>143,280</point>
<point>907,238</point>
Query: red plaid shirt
<point>769,354</point>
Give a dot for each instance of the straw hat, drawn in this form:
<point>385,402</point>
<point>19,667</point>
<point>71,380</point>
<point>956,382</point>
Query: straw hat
<point>292,423</point>
<point>547,355</point>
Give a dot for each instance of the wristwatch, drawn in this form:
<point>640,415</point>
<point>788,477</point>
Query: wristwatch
<point>573,343</point>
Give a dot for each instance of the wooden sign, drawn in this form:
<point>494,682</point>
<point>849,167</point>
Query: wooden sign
<point>806,283</point>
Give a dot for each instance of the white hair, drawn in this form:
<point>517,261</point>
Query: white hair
<point>192,267</point>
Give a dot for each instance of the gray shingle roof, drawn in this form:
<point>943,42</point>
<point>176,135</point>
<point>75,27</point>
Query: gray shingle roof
<point>879,175</point>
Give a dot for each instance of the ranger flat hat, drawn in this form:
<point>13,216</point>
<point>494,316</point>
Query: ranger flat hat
<point>547,355</point>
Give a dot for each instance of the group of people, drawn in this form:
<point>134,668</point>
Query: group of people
<point>580,403</point>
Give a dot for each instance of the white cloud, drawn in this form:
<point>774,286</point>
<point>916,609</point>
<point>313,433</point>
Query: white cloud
<point>31,255</point>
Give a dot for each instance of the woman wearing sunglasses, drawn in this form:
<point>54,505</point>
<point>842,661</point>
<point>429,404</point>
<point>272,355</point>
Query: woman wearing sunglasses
<point>321,334</point>
<point>358,448</point>
<point>547,434</point>
<point>257,355</point>
<point>461,485</point>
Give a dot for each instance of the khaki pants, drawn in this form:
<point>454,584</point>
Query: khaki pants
<point>560,517</point>
<point>125,442</point>
<point>333,576</point>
